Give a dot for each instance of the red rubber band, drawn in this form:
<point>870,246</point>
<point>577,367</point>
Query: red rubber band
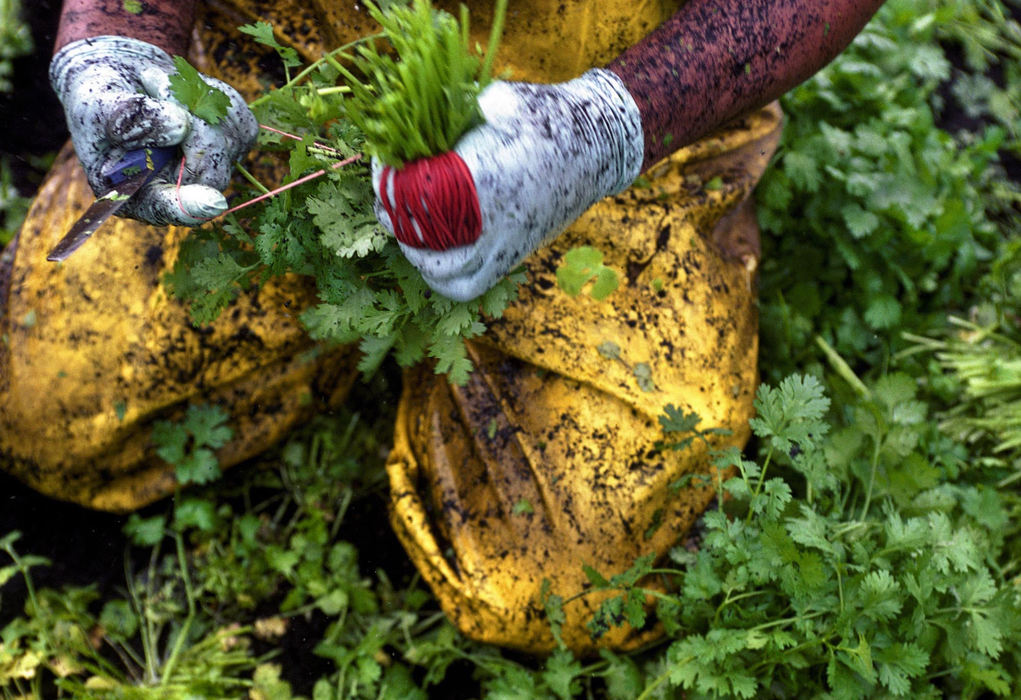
<point>437,206</point>
<point>261,197</point>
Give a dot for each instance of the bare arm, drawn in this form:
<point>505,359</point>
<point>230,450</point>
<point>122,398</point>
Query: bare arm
<point>163,23</point>
<point>717,59</point>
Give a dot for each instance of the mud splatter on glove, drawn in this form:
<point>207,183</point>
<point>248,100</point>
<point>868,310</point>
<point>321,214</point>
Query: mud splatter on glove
<point>116,96</point>
<point>544,155</point>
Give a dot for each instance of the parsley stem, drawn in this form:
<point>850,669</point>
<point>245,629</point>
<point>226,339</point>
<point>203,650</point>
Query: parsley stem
<point>759,483</point>
<point>244,172</point>
<point>661,678</point>
<point>872,480</point>
<point>841,367</point>
<point>147,628</point>
<point>728,600</point>
<point>327,58</point>
<point>182,634</point>
<point>840,586</point>
<point>789,620</point>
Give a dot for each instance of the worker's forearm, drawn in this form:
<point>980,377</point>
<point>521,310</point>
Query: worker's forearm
<point>716,59</point>
<point>165,23</point>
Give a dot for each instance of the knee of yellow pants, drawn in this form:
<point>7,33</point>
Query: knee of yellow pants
<point>95,352</point>
<point>545,462</point>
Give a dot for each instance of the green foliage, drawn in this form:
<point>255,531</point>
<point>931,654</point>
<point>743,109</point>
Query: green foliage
<point>675,423</point>
<point>891,214</point>
<point>15,40</point>
<point>582,265</point>
<point>873,579</point>
<point>190,444</point>
<point>262,32</point>
<point>57,640</point>
<point>200,98</point>
<point>986,362</point>
<point>980,359</point>
<point>420,100</point>
<point>13,205</point>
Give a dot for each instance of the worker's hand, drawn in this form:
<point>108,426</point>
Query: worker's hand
<point>116,96</point>
<point>543,156</point>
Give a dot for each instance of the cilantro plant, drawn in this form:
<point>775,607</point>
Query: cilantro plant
<point>189,445</point>
<point>582,265</point>
<point>13,205</point>
<point>892,213</point>
<point>15,40</point>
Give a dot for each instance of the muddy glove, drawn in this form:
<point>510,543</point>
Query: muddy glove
<point>544,155</point>
<point>116,96</point>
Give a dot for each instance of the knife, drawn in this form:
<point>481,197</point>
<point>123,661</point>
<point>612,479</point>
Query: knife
<point>123,179</point>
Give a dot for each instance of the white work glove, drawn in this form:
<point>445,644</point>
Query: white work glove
<point>116,97</point>
<point>544,155</point>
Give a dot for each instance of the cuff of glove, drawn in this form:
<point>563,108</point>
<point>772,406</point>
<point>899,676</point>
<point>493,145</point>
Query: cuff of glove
<point>79,53</point>
<point>616,108</point>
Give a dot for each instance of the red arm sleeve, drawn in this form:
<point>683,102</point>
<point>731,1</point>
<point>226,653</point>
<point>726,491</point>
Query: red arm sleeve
<point>164,23</point>
<point>717,59</point>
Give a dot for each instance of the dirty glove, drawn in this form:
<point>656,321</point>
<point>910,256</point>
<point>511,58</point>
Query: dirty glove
<point>116,96</point>
<point>544,155</point>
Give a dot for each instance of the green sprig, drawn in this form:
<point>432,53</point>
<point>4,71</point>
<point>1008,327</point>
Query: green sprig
<point>420,99</point>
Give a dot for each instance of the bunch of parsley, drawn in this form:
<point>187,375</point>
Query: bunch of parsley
<point>421,99</point>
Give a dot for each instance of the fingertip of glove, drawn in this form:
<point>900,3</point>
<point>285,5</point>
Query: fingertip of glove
<point>189,205</point>
<point>200,202</point>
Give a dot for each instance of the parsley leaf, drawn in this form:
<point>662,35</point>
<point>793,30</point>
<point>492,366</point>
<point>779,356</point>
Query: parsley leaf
<point>584,264</point>
<point>189,444</point>
<point>263,33</point>
<point>199,97</point>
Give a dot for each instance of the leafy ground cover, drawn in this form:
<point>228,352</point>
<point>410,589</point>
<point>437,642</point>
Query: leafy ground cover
<point>869,546</point>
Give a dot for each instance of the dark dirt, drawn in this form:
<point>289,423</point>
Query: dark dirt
<point>87,547</point>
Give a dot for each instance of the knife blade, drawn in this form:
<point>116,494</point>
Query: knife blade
<point>124,178</point>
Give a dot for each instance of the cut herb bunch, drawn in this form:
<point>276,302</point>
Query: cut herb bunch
<point>415,105</point>
<point>420,101</point>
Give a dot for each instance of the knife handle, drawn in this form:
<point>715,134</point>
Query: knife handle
<point>138,161</point>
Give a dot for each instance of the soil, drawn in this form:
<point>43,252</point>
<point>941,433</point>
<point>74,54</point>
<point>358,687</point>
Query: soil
<point>87,547</point>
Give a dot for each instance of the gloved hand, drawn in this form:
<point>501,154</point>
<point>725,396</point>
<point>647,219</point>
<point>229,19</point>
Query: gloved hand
<point>544,155</point>
<point>116,96</point>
